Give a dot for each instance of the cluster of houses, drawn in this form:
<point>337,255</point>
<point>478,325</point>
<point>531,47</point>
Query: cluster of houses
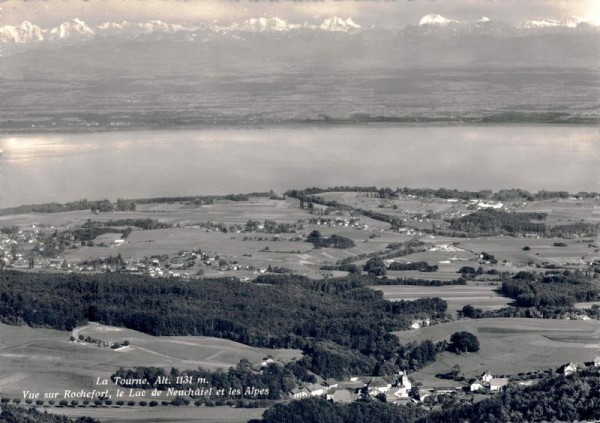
<point>340,222</point>
<point>395,389</point>
<point>10,254</point>
<point>572,367</point>
<point>480,204</point>
<point>495,384</point>
<point>398,389</point>
<point>487,381</point>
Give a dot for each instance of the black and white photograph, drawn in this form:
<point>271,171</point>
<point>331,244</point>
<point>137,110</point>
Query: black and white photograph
<point>287,211</point>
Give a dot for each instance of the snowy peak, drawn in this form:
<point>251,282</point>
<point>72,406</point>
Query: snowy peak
<point>572,22</point>
<point>338,24</point>
<point>75,28</point>
<point>160,26</point>
<point>542,23</point>
<point>24,33</point>
<point>133,28</point>
<point>273,24</point>
<point>112,26</point>
<point>276,24</point>
<point>437,20</point>
<point>439,26</point>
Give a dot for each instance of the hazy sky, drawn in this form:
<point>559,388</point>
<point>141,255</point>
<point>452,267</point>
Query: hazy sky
<point>365,12</point>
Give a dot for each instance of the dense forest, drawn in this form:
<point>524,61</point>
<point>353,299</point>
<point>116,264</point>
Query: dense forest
<point>495,222</point>
<point>421,266</point>
<point>342,325</point>
<point>333,241</point>
<point>549,289</point>
<point>555,398</point>
<point>315,410</point>
<point>146,224</point>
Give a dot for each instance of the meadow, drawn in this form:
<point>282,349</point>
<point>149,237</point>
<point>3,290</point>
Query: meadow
<point>509,346</point>
<point>478,294</point>
<point>45,360</point>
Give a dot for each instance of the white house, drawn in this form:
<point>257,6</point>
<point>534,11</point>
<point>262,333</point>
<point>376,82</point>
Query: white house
<point>266,362</point>
<point>475,386</point>
<point>299,393</point>
<point>315,390</point>
<point>378,385</point>
<point>497,383</point>
<point>569,369</point>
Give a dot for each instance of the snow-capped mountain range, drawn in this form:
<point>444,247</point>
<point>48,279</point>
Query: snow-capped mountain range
<point>78,30</point>
<point>572,22</point>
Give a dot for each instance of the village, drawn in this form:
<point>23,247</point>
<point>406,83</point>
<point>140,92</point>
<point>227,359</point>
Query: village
<point>400,390</point>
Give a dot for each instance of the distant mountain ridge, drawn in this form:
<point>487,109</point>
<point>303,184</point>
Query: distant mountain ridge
<point>431,24</point>
<point>76,29</point>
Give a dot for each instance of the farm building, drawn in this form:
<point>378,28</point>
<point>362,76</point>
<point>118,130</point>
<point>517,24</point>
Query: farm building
<point>379,385</point>
<point>342,396</point>
<point>475,386</point>
<point>568,369</point>
<point>299,393</point>
<point>498,383</point>
<point>315,390</point>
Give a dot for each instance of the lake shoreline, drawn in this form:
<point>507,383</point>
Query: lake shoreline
<point>291,125</point>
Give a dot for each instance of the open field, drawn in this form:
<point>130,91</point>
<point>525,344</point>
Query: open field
<point>172,240</point>
<point>190,414</point>
<point>541,250</point>
<point>245,249</point>
<point>480,295</point>
<point>223,211</point>
<point>563,211</point>
<point>195,351</point>
<point>44,360</point>
<point>251,253</point>
<point>445,274</point>
<point>370,201</point>
<point>509,346</point>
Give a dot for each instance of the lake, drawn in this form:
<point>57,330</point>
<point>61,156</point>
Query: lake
<point>63,167</point>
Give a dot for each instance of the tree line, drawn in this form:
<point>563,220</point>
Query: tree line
<point>549,289</point>
<point>346,322</point>
<point>492,222</point>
